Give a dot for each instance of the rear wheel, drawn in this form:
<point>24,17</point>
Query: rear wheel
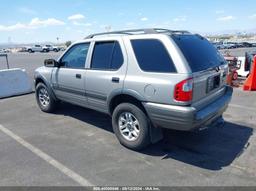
<point>131,126</point>
<point>44,99</point>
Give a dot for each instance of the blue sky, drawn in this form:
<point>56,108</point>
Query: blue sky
<point>25,21</point>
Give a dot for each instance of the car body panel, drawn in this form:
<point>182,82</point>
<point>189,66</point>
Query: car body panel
<point>188,118</point>
<point>99,84</point>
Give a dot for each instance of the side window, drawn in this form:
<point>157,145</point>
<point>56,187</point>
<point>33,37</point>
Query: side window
<point>152,56</point>
<point>76,56</point>
<point>107,56</point>
<point>117,57</point>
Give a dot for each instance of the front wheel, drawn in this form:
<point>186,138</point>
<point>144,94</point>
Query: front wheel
<point>131,126</point>
<point>44,99</point>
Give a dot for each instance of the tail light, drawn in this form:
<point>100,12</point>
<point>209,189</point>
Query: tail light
<point>184,90</point>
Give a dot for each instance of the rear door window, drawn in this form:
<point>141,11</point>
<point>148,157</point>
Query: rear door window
<point>199,52</point>
<point>152,56</point>
<point>107,56</point>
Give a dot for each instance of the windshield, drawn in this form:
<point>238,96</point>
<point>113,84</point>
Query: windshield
<point>199,52</point>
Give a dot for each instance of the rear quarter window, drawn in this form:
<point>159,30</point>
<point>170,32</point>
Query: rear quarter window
<point>152,56</point>
<point>199,52</point>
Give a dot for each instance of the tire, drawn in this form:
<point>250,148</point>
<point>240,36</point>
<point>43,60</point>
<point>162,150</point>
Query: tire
<point>42,95</point>
<point>120,114</point>
<point>30,51</point>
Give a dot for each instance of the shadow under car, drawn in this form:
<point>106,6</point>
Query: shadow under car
<point>211,149</point>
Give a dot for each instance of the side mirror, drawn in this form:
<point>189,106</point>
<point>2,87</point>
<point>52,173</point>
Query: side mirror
<point>51,63</point>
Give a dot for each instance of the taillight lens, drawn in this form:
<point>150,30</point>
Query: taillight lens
<point>184,90</point>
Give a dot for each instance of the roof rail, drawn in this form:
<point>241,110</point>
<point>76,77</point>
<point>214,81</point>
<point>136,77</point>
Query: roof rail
<point>140,31</point>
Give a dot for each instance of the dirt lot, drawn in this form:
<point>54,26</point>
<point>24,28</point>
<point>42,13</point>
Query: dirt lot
<point>238,51</point>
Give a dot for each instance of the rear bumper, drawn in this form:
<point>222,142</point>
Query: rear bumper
<point>188,118</point>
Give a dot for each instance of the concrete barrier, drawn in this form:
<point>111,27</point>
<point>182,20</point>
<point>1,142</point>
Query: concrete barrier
<point>14,82</point>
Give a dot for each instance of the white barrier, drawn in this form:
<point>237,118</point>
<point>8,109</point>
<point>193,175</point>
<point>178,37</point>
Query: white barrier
<point>14,82</point>
<point>241,71</point>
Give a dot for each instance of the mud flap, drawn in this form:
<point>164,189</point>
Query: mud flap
<point>156,134</point>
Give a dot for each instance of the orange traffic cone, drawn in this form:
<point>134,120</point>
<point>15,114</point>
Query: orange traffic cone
<point>250,83</point>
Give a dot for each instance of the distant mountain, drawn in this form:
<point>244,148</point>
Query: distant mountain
<point>18,45</point>
<point>12,45</point>
<point>232,32</point>
<point>213,33</point>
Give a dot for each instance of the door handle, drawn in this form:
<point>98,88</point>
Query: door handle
<point>78,76</point>
<point>115,79</point>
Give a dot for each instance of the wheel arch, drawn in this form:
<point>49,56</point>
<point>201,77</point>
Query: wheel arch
<point>41,79</point>
<point>124,96</point>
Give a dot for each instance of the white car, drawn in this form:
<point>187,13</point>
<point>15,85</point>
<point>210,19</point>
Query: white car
<point>5,50</point>
<point>37,48</point>
<point>52,48</point>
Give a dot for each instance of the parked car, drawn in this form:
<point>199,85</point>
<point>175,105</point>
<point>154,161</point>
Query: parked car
<point>239,45</point>
<point>246,44</point>
<point>145,79</point>
<point>52,48</point>
<point>224,45</point>
<point>23,49</point>
<point>37,48</point>
<point>4,50</point>
<point>63,48</point>
<point>218,45</point>
<point>229,45</point>
<point>253,44</point>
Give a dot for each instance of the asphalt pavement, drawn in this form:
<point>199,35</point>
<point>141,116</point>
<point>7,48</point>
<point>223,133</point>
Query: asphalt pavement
<point>82,141</point>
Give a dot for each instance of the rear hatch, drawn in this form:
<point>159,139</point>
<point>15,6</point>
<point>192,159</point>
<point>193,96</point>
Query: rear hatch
<point>208,67</point>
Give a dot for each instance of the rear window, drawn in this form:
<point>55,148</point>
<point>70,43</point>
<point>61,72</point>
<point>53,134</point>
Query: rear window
<point>152,56</point>
<point>199,52</point>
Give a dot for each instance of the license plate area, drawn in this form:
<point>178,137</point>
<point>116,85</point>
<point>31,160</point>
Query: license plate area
<point>213,82</point>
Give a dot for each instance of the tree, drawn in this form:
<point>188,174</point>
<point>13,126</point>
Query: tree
<point>68,43</point>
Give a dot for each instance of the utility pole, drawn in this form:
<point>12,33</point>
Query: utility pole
<point>9,40</point>
<point>108,28</point>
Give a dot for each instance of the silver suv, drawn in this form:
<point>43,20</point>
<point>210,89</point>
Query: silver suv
<point>146,79</point>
